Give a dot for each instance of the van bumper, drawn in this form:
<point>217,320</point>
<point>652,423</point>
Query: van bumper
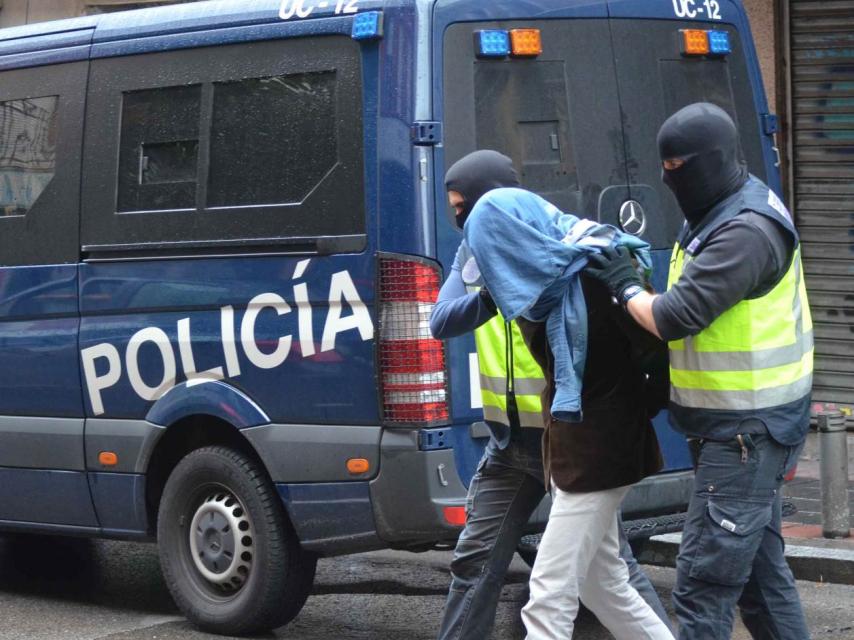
<point>655,506</point>
<point>412,490</point>
<point>654,497</point>
<point>663,494</point>
<point>403,506</point>
<point>414,487</point>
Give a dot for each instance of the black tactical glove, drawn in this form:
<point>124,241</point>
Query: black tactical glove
<point>614,268</point>
<point>487,300</point>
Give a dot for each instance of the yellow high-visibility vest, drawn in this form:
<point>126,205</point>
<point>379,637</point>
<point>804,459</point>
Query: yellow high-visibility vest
<point>756,355</point>
<point>528,378</point>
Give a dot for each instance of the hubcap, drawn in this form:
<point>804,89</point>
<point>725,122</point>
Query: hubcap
<point>221,539</point>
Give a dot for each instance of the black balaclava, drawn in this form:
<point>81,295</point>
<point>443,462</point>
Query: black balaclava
<point>478,173</point>
<point>705,137</point>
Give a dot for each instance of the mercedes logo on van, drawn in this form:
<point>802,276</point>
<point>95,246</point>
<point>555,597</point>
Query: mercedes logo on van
<point>632,218</point>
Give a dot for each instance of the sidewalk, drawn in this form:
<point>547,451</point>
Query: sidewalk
<point>811,556</point>
<point>805,490</point>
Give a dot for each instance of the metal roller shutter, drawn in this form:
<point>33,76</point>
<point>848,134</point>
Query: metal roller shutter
<point>822,62</point>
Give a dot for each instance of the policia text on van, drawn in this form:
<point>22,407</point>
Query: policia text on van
<point>223,239</point>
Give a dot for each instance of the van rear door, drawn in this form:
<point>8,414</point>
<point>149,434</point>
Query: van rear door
<point>580,120</point>
<point>557,115</point>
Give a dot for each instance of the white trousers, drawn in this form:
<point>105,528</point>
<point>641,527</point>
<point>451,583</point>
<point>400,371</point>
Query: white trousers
<point>579,558</point>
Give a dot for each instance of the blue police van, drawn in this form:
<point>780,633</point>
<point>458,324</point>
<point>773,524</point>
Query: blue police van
<point>224,227</point>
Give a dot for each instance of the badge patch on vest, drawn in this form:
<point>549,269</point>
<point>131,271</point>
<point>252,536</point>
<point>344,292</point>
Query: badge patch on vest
<point>692,248</point>
<point>471,272</point>
<point>775,203</point>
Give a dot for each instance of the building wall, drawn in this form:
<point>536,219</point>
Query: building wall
<point>17,12</point>
<point>762,15</point>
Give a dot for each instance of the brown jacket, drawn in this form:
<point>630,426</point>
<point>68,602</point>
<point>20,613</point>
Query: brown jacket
<point>615,444</point>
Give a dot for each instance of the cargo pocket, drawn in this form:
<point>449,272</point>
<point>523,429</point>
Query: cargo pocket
<point>475,484</point>
<point>732,532</point>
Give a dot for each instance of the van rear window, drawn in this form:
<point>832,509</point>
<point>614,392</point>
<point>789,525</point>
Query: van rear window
<point>522,107</point>
<point>686,81</point>
<point>581,120</point>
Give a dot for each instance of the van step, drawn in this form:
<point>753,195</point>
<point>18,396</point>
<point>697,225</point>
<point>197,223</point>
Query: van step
<point>644,528</point>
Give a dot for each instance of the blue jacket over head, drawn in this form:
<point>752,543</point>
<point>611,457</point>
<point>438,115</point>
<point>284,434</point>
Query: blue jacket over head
<point>530,255</point>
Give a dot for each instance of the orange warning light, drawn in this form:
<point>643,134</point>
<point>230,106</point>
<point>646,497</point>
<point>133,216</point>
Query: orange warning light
<point>108,458</point>
<point>526,42</point>
<point>695,42</point>
<point>358,466</point>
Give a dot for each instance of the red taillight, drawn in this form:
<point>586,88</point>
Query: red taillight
<point>412,362</point>
<point>455,516</point>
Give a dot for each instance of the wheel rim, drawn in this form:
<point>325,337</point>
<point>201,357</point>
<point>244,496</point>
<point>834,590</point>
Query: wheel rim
<point>221,541</point>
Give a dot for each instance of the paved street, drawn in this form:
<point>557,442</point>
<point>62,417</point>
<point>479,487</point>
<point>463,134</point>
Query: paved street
<point>109,590</point>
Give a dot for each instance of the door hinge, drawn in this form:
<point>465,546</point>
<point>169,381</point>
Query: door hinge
<point>427,133</point>
<point>770,124</point>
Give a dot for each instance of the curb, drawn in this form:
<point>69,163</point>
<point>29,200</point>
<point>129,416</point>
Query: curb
<point>816,564</point>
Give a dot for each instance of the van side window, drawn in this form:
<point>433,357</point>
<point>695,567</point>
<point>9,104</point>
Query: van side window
<point>230,146</point>
<point>41,135</point>
<point>158,161</point>
<point>273,139</point>
<point>27,152</point>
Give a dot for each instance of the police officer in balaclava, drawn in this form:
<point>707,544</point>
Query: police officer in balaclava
<point>737,318</point>
<point>473,176</point>
<point>701,159</point>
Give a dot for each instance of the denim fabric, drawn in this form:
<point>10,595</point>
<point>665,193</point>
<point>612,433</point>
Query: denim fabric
<point>503,494</point>
<point>530,255</point>
<point>732,547</point>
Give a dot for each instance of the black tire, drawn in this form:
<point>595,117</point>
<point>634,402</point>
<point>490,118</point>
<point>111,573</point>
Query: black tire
<point>222,491</point>
<point>637,546</point>
<point>528,556</point>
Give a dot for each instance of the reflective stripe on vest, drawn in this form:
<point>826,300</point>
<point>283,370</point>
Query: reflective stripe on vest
<point>756,355</point>
<point>529,381</point>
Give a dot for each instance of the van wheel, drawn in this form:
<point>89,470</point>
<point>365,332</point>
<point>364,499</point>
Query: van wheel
<point>229,556</point>
<point>637,546</point>
<point>528,556</point>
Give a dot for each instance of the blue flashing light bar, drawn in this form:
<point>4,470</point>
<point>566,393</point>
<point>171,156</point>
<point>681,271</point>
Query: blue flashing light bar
<point>492,43</point>
<point>719,44</point>
<point>368,26</point>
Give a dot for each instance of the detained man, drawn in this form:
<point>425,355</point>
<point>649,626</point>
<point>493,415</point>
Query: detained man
<point>598,440</point>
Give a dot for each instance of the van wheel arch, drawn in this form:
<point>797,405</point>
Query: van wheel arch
<point>180,439</point>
